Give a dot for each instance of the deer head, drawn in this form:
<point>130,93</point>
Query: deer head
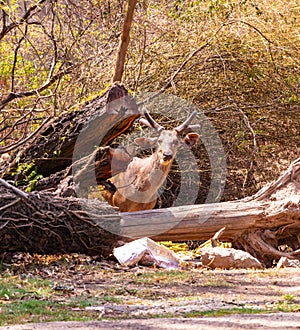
<point>168,140</point>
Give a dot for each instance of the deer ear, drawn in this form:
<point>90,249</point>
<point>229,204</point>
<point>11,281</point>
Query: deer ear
<point>190,139</point>
<point>145,143</point>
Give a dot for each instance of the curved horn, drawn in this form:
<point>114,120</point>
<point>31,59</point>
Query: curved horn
<point>185,124</point>
<point>150,121</point>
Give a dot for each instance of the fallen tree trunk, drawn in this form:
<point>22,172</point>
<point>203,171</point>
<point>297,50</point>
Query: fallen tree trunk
<point>260,224</point>
<point>44,223</point>
<point>51,153</point>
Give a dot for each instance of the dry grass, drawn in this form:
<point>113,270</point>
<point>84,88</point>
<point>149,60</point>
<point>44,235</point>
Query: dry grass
<point>245,78</point>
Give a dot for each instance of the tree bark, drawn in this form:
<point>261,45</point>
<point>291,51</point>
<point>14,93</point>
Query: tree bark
<point>259,224</point>
<point>47,224</point>
<point>44,222</point>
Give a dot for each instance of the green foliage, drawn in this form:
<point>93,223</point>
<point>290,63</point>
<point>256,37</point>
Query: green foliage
<point>27,76</point>
<point>289,297</point>
<point>29,174</point>
<point>23,168</point>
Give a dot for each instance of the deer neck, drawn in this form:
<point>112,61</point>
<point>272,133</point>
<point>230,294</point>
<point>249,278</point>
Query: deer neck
<point>158,172</point>
<point>142,179</point>
<point>151,174</point>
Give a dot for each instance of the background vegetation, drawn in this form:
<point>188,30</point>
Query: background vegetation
<point>236,60</point>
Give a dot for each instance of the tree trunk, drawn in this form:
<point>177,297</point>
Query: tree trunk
<point>124,42</point>
<point>259,224</point>
<point>43,222</point>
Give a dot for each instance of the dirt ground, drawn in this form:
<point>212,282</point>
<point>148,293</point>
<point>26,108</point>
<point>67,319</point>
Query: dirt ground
<point>234,322</point>
<point>147,298</point>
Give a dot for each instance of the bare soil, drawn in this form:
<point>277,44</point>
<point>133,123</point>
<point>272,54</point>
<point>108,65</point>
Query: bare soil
<point>148,298</point>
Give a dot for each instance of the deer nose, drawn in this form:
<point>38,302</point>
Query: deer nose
<point>167,156</point>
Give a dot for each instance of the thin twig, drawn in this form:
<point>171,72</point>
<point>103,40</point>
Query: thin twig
<point>14,146</point>
<point>252,27</point>
<point>14,189</point>
<point>23,19</point>
<point>7,206</point>
<point>260,33</point>
<point>255,147</point>
<point>4,225</point>
<point>11,96</point>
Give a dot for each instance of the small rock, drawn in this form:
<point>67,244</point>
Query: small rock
<point>226,258</point>
<point>286,262</point>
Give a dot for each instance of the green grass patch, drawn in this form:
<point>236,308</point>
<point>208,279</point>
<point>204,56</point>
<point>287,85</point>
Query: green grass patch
<point>226,311</point>
<point>217,283</point>
<point>66,293</point>
<point>168,276</point>
<point>34,300</point>
<point>288,304</point>
<point>287,307</point>
<point>15,288</point>
<point>45,311</point>
<point>214,313</point>
<point>112,299</point>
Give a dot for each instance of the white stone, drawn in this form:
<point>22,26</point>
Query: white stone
<point>227,258</point>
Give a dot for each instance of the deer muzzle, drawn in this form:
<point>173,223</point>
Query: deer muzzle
<point>167,156</point>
